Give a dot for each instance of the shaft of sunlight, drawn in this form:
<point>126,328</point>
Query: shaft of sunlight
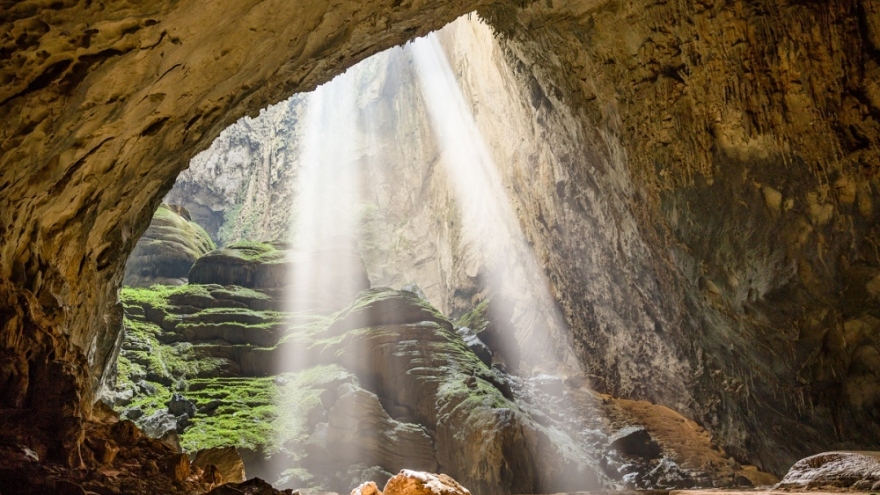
<point>489,224</point>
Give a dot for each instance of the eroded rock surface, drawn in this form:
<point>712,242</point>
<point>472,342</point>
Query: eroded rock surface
<point>855,471</point>
<point>716,166</point>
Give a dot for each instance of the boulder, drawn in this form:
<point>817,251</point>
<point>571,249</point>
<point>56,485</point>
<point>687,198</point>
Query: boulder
<point>227,461</point>
<point>857,471</point>
<point>167,250</point>
<point>179,405</point>
<point>158,424</point>
<point>420,483</point>
<point>368,488</point>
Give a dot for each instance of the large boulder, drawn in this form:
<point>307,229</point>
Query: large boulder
<point>167,250</point>
<point>409,482</point>
<point>856,471</point>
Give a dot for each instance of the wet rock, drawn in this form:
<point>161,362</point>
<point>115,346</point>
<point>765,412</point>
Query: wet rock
<point>179,405</point>
<point>550,385</point>
<point>226,460</point>
<point>635,441</point>
<point>476,345</point>
<point>420,483</point>
<point>859,471</point>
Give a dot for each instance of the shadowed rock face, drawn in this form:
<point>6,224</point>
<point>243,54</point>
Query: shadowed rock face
<point>725,165</point>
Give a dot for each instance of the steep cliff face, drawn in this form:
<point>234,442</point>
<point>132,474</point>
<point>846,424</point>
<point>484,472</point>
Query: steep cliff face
<point>748,135</point>
<point>704,209</point>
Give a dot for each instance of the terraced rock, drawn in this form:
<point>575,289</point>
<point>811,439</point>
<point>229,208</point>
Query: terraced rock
<point>324,401</point>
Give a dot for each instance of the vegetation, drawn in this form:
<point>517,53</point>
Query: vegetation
<point>476,319</point>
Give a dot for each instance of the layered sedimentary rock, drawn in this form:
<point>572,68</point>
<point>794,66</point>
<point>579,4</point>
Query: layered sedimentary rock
<point>708,226</point>
<point>167,250</point>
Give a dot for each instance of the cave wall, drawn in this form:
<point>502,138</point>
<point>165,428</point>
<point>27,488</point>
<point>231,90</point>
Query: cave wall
<point>101,108</point>
<point>732,145</point>
<point>748,131</point>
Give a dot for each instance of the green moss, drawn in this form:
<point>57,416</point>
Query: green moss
<point>258,413</point>
<point>155,296</point>
<point>477,319</point>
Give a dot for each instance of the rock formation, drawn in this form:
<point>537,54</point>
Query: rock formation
<point>167,250</point>
<point>833,471</point>
<point>323,399</point>
<point>707,218</point>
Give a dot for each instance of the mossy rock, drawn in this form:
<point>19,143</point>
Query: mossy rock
<point>247,264</point>
<point>384,306</point>
<point>167,250</point>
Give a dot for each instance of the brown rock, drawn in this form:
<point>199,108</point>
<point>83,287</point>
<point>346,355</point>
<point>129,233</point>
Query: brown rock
<point>420,483</point>
<point>211,475</point>
<point>225,461</point>
<point>105,450</point>
<point>125,432</point>
<point>177,466</point>
<point>368,488</point>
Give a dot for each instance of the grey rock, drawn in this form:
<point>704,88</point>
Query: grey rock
<point>415,289</point>
<point>133,413</point>
<point>476,345</point>
<point>179,405</point>
<point>158,424</point>
<point>550,385</point>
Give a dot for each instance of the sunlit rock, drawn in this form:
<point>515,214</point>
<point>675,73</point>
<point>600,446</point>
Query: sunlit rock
<point>856,471</point>
<point>226,461</point>
<point>409,482</point>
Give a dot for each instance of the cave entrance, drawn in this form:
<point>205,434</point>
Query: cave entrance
<point>341,288</point>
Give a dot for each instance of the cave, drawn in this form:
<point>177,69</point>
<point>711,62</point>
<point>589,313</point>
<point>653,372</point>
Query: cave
<point>702,206</point>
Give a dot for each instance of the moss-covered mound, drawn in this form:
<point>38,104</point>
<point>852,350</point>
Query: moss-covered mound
<point>384,306</point>
<point>167,250</point>
<point>248,264</point>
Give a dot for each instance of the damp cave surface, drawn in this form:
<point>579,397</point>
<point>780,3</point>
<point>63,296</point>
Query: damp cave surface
<point>453,257</point>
